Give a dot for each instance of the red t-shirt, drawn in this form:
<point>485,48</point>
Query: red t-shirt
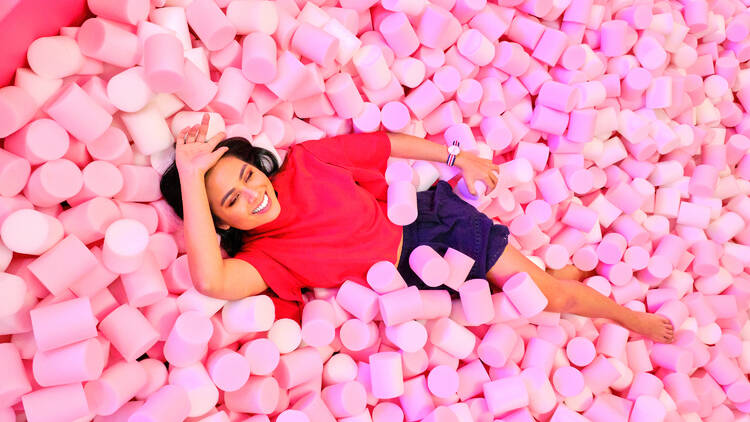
<point>333,224</point>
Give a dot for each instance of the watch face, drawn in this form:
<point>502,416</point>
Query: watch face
<point>453,149</point>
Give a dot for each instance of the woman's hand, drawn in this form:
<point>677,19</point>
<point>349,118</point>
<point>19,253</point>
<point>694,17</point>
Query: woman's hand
<point>193,155</point>
<point>475,168</point>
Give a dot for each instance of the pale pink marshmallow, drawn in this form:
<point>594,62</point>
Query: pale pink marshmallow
<point>163,63</point>
<point>399,34</point>
<point>69,253</point>
<point>233,94</point>
<point>386,375</point>
<point>315,44</point>
<point>443,381</point>
<point>453,338</point>
<point>312,405</point>
<point>468,96</point>
<point>17,378</point>
<point>496,132</point>
<point>358,300</point>
<point>402,203</point>
<point>289,415</point>
<point>144,286</point>
<point>345,399</point>
<point>344,97</point>
<point>416,402</point>
<point>383,277</point>
<point>290,74</point>
<point>251,314</point>
<point>487,20</point>
<point>77,362</point>
<point>125,243</point>
<point>568,381</point>
<point>14,173</point>
<point>117,385</point>
<point>409,71</point>
<point>262,356</point>
<point>228,369</point>
<point>39,141</point>
<point>130,11</point>
<point>129,332</point>
<point>197,89</point>
<point>318,323</point>
<point>63,323</point>
<point>69,403</point>
<point>339,368</point>
<point>30,232</point>
<point>387,411</point>
<point>550,46</point>
<point>429,265</point>
<point>400,305</point>
<point>409,336</point>
<point>169,403</point>
<point>78,113</point>
<point>128,90</point>
<point>100,179</point>
<point>511,58</point>
<point>108,42</point>
<point>647,408</point>
<point>54,57</point>
<point>548,120</point>
<point>680,389</point>
<point>356,335</point>
<point>611,248</point>
<point>258,395</point>
<point>493,99</point>
<point>17,107</point>
<point>703,180</point>
<point>15,290</point>
<point>497,345</point>
<point>371,67</point>
<point>395,116</point>
<point>259,58</point>
<point>552,186</point>
<point>298,367</point>
<point>460,265</point>
<point>473,45</point>
<point>188,339</point>
<point>438,28</point>
<point>53,182</point>
<point>476,301</point>
<point>447,79</point>
<point>148,129</point>
<point>505,394</point>
<point>424,99</point>
<point>262,17</point>
<point>210,24</point>
<point>443,117</point>
<point>580,351</point>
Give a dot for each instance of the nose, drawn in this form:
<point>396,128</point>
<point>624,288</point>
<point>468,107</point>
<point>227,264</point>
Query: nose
<point>251,196</point>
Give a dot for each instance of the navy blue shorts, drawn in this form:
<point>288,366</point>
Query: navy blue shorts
<point>445,220</point>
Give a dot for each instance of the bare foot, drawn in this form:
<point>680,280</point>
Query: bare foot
<point>656,327</point>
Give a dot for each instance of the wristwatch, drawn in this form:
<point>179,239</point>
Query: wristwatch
<point>453,151</point>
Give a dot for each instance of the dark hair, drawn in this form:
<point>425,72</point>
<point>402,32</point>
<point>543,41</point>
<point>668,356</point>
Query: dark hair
<point>264,160</point>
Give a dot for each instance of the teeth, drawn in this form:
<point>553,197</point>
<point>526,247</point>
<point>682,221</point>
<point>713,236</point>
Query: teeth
<point>262,205</point>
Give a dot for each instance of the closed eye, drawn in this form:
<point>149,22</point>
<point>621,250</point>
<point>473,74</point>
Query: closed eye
<point>249,173</point>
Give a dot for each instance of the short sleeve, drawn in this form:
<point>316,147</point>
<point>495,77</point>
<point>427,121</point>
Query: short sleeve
<point>358,150</point>
<point>276,276</point>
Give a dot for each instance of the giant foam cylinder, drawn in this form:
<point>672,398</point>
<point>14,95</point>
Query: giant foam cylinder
<point>400,305</point>
<point>259,58</point>
<point>108,42</point>
<point>163,63</point>
<point>386,375</point>
<point>17,107</point>
<point>129,332</point>
<point>170,403</point>
<point>372,67</point>
<point>15,379</point>
<point>210,24</point>
<point>198,89</point>
<point>78,113</point>
<point>399,34</point>
<point>318,323</point>
<point>125,242</point>
<point>127,11</point>
<point>71,254</point>
<point>525,294</point>
<point>39,141</point>
<point>429,265</point>
<point>453,338</point>
<point>383,277</point>
<point>248,315</point>
<point>298,367</point>
<point>77,362</point>
<point>148,129</point>
<point>63,323</point>
<point>188,340</point>
<point>53,182</point>
<point>117,385</point>
<point>15,233</point>
<point>62,402</point>
<point>344,97</point>
<point>14,173</point>
<point>402,203</point>
<point>358,300</point>
<point>476,301</point>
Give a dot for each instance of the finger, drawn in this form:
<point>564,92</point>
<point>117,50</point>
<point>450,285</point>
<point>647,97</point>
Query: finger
<point>181,136</point>
<point>204,126</point>
<point>216,139</point>
<point>192,133</point>
<point>218,154</point>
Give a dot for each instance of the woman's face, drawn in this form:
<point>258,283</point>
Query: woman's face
<point>236,188</point>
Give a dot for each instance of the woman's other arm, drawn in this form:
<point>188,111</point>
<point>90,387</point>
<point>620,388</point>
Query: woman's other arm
<point>416,148</point>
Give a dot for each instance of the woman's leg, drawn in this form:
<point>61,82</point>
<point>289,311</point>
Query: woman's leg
<point>569,296</point>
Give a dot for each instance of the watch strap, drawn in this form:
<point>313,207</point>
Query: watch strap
<point>452,157</point>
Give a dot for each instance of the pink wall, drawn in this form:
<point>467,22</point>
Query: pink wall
<point>22,21</point>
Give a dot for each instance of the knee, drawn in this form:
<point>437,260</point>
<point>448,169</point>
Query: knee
<point>563,302</point>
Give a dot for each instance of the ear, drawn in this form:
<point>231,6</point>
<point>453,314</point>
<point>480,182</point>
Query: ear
<point>223,226</point>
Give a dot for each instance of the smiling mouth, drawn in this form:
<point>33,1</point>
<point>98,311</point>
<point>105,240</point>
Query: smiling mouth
<point>263,205</point>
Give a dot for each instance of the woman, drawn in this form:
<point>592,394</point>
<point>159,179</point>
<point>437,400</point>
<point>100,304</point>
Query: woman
<point>320,219</point>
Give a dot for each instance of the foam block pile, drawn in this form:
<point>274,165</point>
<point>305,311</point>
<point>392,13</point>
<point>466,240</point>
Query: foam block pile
<point>622,133</point>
